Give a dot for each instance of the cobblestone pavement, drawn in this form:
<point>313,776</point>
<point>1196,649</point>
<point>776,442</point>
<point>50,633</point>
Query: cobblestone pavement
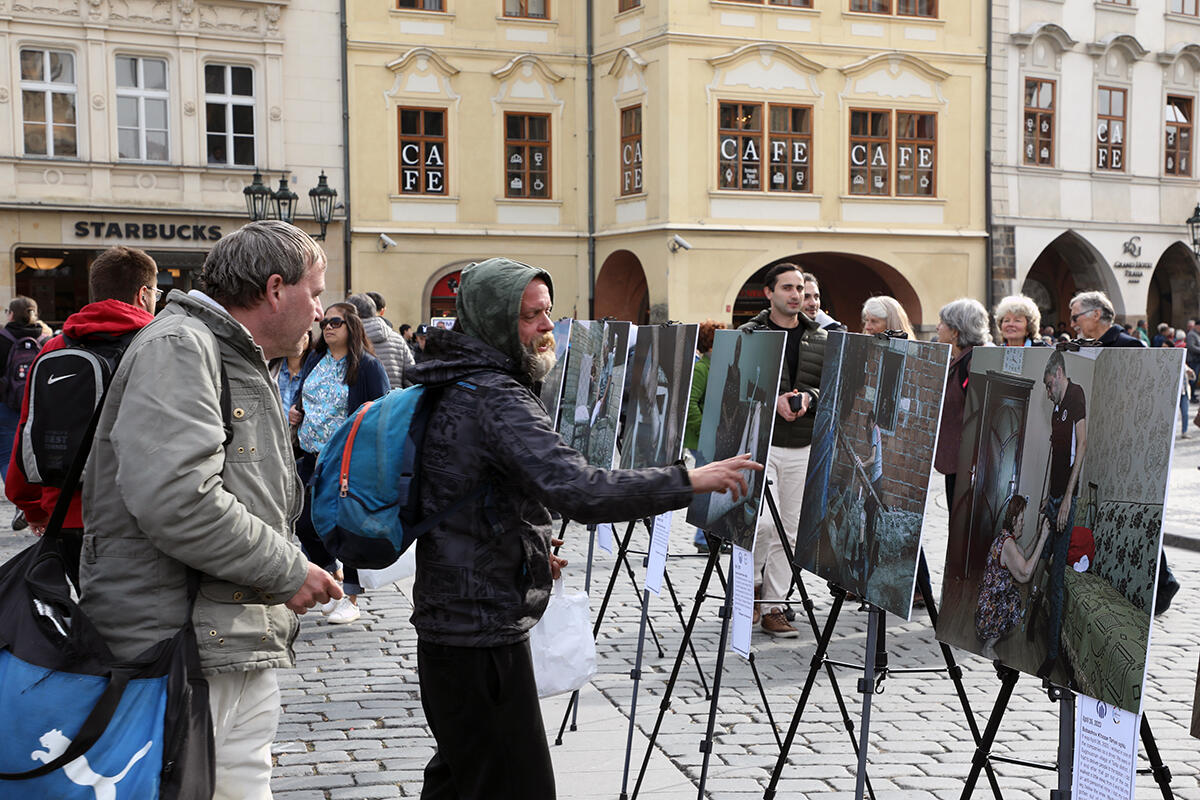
<point>352,725</point>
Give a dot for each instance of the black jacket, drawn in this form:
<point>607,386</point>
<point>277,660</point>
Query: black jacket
<point>809,365</point>
<point>483,575</point>
<point>1115,337</point>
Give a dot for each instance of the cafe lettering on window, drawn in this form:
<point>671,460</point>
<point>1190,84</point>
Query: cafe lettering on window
<point>631,150</point>
<point>878,147</point>
<point>741,153</point>
<point>422,151</point>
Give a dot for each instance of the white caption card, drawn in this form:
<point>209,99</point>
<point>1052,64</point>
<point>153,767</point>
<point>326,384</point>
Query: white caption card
<point>656,561</point>
<point>604,537</point>
<point>742,575</point>
<point>1106,739</point>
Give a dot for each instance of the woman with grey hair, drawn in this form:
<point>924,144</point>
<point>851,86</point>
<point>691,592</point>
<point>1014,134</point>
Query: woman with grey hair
<point>962,324</point>
<point>1018,321</point>
<point>882,313</point>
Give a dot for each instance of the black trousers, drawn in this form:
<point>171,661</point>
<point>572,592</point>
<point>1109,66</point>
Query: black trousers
<point>482,706</point>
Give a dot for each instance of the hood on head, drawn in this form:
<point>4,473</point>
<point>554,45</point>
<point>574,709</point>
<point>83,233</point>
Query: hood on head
<point>489,301</point>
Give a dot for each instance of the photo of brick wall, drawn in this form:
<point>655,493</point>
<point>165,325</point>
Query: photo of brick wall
<point>552,385</point>
<point>869,468</point>
<point>591,404</point>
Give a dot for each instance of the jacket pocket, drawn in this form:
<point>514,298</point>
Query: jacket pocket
<point>226,623</point>
<point>246,417</point>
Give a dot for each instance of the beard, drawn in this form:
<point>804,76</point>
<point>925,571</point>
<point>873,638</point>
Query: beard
<point>537,365</point>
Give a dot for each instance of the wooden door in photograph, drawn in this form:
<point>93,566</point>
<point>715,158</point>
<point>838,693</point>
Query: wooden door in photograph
<point>996,473</point>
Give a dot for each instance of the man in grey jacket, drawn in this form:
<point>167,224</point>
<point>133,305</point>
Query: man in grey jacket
<point>390,347</point>
<point>165,493</point>
<point>484,572</point>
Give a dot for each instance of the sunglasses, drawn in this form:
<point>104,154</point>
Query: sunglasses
<point>332,322</point>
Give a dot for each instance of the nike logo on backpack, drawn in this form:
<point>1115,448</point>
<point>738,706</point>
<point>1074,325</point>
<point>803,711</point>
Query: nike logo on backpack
<point>57,378</point>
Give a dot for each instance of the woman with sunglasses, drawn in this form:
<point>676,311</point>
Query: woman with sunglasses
<point>340,375</point>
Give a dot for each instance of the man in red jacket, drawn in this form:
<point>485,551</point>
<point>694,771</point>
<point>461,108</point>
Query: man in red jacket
<point>124,288</point>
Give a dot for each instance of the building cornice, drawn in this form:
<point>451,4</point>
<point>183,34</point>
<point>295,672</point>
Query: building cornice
<point>528,60</point>
<point>1118,41</point>
<point>1050,30</point>
<point>766,50</point>
<point>411,56</point>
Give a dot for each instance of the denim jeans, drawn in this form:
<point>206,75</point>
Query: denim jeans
<point>8,432</point>
<point>1061,541</point>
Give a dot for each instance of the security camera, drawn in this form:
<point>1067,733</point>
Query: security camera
<point>678,242</point>
<point>386,241</point>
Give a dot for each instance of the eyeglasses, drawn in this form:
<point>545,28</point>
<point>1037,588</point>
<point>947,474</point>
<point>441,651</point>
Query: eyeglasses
<point>332,322</point>
<point>158,293</point>
<point>1074,317</point>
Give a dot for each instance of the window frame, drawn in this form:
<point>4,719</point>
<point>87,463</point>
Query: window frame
<point>893,8</point>
<point>1110,118</point>
<point>420,6</point>
<point>1195,4</point>
<point>742,135</point>
<point>47,89</point>
<point>628,5</point>
<point>526,144</point>
<point>403,139</point>
<point>783,3</point>
<point>229,99</point>
<point>915,142</point>
<point>1189,127</point>
<point>1039,112</point>
<point>791,137</point>
<point>140,95</point>
<point>523,9</point>
<point>870,141</point>
<point>636,167</point>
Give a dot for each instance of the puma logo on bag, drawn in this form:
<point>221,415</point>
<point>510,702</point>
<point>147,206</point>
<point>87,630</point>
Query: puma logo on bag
<point>79,771</point>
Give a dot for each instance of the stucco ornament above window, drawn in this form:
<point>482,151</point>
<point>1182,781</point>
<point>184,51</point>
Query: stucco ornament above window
<point>1047,41</point>
<point>895,76</point>
<point>526,79</point>
<point>768,68</point>
<point>421,72</point>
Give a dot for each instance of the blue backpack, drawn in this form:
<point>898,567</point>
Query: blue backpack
<point>366,506</point>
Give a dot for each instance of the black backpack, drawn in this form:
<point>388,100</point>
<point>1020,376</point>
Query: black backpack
<point>16,371</point>
<point>65,386</point>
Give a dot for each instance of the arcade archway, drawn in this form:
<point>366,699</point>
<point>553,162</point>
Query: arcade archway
<point>621,290</point>
<point>847,280</point>
<point>1174,293</point>
<point>443,294</point>
<point>1067,265</point>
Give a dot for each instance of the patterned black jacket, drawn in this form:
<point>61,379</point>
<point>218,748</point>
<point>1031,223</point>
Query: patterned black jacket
<point>483,575</point>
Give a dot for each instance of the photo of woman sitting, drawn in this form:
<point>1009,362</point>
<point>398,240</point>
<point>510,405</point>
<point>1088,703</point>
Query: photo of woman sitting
<point>1000,606</point>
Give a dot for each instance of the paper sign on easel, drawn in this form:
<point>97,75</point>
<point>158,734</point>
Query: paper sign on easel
<point>1106,740</point>
<point>656,561</point>
<point>604,537</point>
<point>743,601</point>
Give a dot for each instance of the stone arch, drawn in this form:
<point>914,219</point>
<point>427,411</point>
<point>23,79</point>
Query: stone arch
<point>621,289</point>
<point>437,299</point>
<point>1173,295</point>
<point>1067,265</point>
<point>846,279</point>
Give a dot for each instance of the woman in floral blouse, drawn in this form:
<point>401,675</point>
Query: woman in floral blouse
<point>999,599</point>
<point>339,376</point>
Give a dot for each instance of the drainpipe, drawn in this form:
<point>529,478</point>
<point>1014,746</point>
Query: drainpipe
<point>345,149</point>
<point>990,250</point>
<point>591,164</point>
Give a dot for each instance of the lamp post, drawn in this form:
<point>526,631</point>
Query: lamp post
<point>1193,224</point>
<point>323,199</point>
<point>258,197</point>
<point>283,202</point>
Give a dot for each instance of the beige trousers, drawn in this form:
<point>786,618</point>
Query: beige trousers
<point>245,711</point>
<point>787,467</point>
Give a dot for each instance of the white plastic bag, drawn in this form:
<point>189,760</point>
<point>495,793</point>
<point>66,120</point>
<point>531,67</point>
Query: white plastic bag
<point>564,652</point>
<point>403,567</point>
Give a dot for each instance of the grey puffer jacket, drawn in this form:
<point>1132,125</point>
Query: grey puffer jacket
<point>391,350</point>
<point>483,575</point>
<point>161,492</point>
<point>808,379</point>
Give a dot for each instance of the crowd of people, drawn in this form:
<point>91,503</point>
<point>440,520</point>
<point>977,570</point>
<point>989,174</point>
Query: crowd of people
<point>222,404</point>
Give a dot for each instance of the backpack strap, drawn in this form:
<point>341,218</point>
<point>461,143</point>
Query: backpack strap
<point>226,407</point>
<point>344,469</point>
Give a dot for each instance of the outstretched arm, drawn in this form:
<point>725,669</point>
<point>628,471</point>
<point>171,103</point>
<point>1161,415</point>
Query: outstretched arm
<point>1013,558</point>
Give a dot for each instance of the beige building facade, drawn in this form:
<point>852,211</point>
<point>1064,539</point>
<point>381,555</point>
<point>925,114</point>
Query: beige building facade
<point>140,122</point>
<point>726,136</point>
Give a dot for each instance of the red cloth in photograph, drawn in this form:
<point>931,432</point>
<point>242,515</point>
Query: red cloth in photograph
<point>1082,544</point>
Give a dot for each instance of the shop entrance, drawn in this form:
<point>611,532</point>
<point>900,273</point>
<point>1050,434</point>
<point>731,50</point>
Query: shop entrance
<point>442,296</point>
<point>1174,293</point>
<point>846,280</point>
<point>621,290</point>
<point>1067,265</point>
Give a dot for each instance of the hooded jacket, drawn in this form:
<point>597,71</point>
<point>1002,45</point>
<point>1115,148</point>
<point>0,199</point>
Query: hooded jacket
<point>104,317</point>
<point>483,574</point>
<point>391,350</point>
<point>807,378</point>
<point>162,492</point>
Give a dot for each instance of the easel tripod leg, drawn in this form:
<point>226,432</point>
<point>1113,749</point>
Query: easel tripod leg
<point>707,743</point>
<point>713,554</point>
<point>867,687</point>
<point>1008,680</point>
<point>691,646</point>
<point>1160,771</point>
<point>573,704</point>
<point>637,677</point>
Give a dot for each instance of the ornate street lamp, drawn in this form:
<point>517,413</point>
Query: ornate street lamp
<point>283,202</point>
<point>323,199</point>
<point>1193,224</point>
<point>258,198</point>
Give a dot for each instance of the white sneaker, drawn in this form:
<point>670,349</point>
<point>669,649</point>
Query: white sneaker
<point>344,611</point>
<point>328,607</point>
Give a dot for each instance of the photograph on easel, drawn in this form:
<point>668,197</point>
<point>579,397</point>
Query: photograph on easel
<point>591,404</point>
<point>1056,530</point>
<point>657,384</point>
<point>744,375</point>
<point>1196,707</point>
<point>552,384</point>
<point>869,466</point>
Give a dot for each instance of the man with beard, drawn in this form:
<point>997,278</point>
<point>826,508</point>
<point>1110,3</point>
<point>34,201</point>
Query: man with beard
<point>484,573</point>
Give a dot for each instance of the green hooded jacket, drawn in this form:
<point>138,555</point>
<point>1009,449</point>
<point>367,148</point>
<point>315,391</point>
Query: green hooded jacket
<point>489,302</point>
